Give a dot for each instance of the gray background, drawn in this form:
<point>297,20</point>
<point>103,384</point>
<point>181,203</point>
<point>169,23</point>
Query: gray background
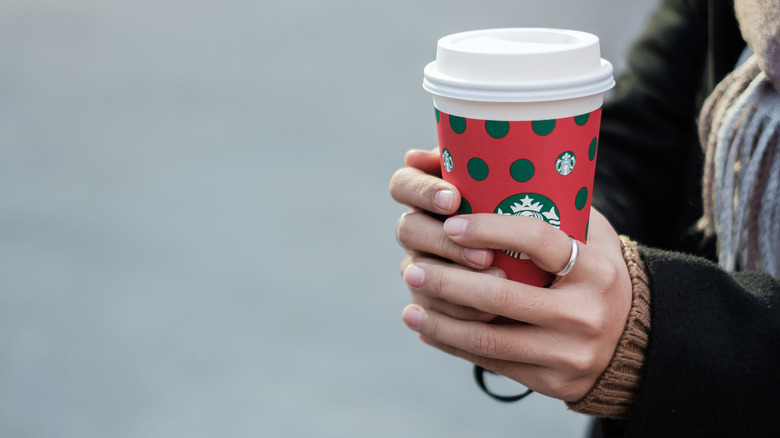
<point>195,233</point>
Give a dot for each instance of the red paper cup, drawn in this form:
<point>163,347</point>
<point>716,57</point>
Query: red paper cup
<point>518,132</point>
<point>542,169</point>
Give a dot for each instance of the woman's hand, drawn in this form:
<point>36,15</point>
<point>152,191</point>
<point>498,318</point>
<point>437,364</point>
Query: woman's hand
<point>561,339</point>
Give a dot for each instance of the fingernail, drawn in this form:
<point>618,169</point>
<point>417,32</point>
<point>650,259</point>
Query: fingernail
<point>412,316</point>
<point>455,226</point>
<point>496,272</point>
<point>414,275</point>
<point>476,256</point>
<point>443,199</point>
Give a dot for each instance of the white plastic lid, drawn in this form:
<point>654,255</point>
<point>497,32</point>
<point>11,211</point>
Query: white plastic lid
<point>518,65</point>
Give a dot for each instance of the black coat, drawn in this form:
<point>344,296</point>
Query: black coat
<point>713,359</point>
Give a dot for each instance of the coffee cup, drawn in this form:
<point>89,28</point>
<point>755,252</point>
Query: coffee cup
<point>518,112</point>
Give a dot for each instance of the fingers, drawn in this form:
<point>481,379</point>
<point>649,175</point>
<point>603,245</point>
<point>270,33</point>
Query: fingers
<point>422,233</point>
<point>527,374</point>
<point>444,307</point>
<point>548,247</point>
<point>426,161</point>
<point>452,310</point>
<point>540,359</point>
<point>490,294</point>
<point>415,188</point>
<point>530,236</point>
<point>502,342</point>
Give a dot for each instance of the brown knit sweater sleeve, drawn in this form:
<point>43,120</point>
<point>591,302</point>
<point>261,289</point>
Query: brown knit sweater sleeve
<point>615,392</point>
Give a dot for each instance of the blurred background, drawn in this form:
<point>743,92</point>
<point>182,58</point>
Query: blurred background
<point>196,237</point>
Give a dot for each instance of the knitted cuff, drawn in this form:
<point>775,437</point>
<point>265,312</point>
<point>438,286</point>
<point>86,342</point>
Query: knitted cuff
<point>614,394</point>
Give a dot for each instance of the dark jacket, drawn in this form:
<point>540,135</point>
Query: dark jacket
<point>713,359</point>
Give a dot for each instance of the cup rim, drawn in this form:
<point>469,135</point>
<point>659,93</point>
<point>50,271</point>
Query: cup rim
<point>534,91</point>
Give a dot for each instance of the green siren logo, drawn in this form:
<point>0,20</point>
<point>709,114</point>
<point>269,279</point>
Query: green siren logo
<point>564,165</point>
<point>531,205</point>
<point>446,159</point>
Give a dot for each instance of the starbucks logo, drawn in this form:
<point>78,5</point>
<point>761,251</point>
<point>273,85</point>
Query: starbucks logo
<point>565,163</point>
<point>531,205</point>
<point>446,159</point>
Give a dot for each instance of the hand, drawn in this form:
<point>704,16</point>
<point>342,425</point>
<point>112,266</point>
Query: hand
<point>561,338</point>
<point>420,232</point>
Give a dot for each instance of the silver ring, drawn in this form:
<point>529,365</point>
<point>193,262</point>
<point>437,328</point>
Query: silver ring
<point>575,251</point>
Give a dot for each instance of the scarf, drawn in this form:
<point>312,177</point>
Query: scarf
<point>739,128</point>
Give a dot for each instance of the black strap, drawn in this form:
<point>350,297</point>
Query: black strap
<point>479,376</point>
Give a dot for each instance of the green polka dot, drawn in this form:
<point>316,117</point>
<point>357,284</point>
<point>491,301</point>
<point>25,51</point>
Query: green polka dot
<point>582,119</point>
<point>587,228</point>
<point>543,127</point>
<point>593,148</point>
<point>478,169</point>
<point>497,129</point>
<point>438,116</point>
<point>581,199</point>
<point>458,124</point>
<point>522,170</point>
<point>465,207</point>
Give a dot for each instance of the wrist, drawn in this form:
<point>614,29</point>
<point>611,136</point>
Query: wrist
<point>614,394</point>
